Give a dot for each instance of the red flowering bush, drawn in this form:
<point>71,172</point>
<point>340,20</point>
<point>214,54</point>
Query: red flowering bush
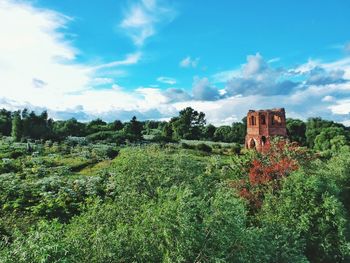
<point>277,160</point>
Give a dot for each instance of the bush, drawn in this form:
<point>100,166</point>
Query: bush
<point>112,152</point>
<point>204,147</point>
<point>187,146</point>
<point>236,148</point>
<point>16,154</point>
<point>308,205</point>
<point>216,146</point>
<point>161,139</point>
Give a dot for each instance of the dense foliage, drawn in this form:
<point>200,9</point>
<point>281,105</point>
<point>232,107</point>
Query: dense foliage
<point>105,192</point>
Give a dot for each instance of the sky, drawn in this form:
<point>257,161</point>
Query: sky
<point>114,59</point>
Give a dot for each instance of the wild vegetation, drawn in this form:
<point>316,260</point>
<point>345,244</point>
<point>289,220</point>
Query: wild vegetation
<point>176,191</point>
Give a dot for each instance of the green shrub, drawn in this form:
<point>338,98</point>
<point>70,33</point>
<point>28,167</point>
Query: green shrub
<point>16,154</point>
<point>216,146</point>
<point>236,148</point>
<point>162,139</point>
<point>187,146</point>
<point>204,147</point>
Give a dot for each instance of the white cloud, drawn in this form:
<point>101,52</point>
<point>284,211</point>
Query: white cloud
<point>342,64</point>
<point>176,95</point>
<point>33,76</point>
<point>304,68</point>
<point>341,107</point>
<point>101,81</point>
<point>346,123</point>
<point>167,80</point>
<point>328,98</point>
<point>188,62</point>
<point>143,18</point>
<point>255,65</point>
<point>225,76</point>
<point>38,65</point>
<point>130,59</point>
<point>31,55</point>
<point>203,90</point>
<point>256,76</point>
<point>303,90</point>
<point>273,60</point>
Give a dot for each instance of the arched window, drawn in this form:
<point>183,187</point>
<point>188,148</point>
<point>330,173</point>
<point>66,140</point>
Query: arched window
<point>276,119</point>
<point>252,120</point>
<point>252,144</point>
<point>263,140</point>
<point>262,120</point>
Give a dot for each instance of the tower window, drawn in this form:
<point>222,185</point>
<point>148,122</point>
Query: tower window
<point>252,120</point>
<point>276,120</point>
<point>263,120</point>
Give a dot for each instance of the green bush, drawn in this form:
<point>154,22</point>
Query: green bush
<point>236,148</point>
<point>187,146</point>
<point>308,205</point>
<point>16,154</point>
<point>107,136</point>
<point>216,146</point>
<point>204,147</point>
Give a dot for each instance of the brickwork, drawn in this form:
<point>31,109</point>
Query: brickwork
<point>262,125</point>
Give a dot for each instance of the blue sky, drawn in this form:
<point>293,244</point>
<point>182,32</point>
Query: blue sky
<point>151,58</point>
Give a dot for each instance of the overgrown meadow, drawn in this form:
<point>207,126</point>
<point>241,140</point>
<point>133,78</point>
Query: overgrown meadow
<point>177,191</point>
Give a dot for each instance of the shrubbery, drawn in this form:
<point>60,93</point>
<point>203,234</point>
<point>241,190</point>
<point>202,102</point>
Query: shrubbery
<point>187,146</point>
<point>154,204</point>
<point>204,147</point>
<point>97,192</point>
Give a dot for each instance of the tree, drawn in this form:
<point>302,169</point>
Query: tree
<point>238,132</point>
<point>117,125</point>
<point>208,132</point>
<point>167,132</point>
<point>17,128</point>
<point>5,122</point>
<point>69,127</point>
<point>296,131</point>
<point>134,128</point>
<point>36,126</point>
<point>234,133</point>
<point>152,127</point>
<point>325,139</point>
<point>337,143</point>
<point>96,125</point>
<point>223,134</point>
<point>188,124</point>
<point>314,127</point>
<point>244,121</point>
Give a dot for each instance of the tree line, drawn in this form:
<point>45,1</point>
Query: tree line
<point>190,124</point>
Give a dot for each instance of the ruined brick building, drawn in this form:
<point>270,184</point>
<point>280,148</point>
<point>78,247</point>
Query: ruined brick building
<point>262,125</point>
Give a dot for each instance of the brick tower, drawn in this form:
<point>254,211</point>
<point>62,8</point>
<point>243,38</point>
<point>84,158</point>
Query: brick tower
<point>262,125</point>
